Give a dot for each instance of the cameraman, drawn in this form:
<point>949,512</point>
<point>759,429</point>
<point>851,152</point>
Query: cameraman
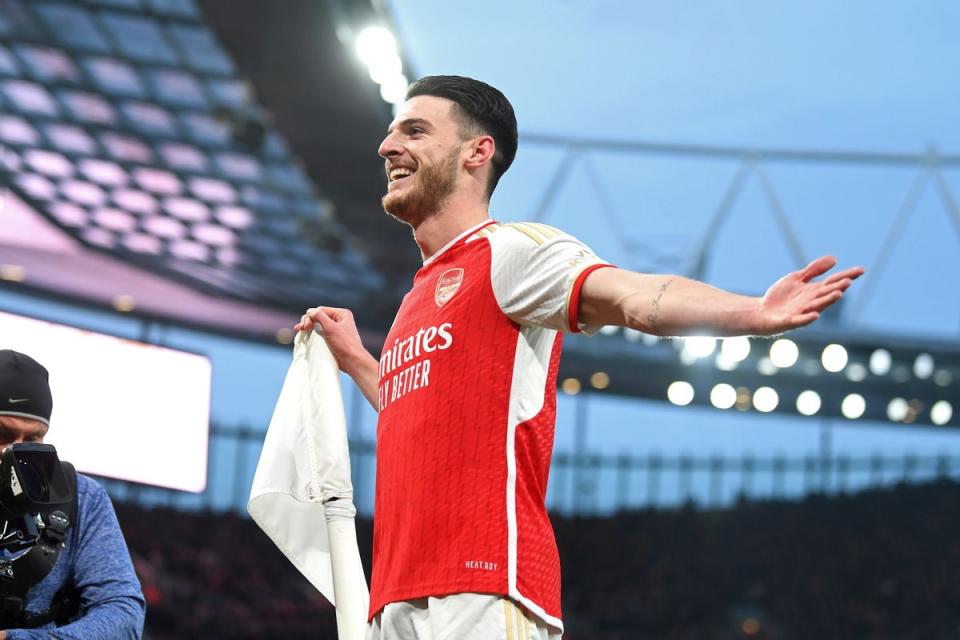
<point>94,565</point>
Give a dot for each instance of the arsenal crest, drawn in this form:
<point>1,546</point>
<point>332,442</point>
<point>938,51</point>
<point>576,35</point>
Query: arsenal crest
<point>447,284</point>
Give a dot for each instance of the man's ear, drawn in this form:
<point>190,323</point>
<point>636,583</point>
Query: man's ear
<point>480,152</point>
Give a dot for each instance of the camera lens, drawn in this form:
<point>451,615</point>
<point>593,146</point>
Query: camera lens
<point>34,481</point>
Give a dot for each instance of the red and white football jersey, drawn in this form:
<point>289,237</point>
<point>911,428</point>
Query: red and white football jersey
<point>467,412</point>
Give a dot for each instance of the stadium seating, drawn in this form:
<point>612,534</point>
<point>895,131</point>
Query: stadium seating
<point>878,564</point>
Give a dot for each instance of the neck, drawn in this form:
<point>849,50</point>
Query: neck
<point>452,219</point>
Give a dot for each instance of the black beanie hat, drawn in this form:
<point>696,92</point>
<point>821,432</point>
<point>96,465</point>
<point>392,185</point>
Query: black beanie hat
<point>24,387</point>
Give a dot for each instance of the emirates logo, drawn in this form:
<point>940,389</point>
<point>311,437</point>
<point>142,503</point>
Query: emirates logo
<point>447,285</point>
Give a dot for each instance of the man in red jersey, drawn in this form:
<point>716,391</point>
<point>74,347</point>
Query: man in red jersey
<point>466,382</point>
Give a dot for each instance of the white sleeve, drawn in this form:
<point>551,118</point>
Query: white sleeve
<point>537,271</point>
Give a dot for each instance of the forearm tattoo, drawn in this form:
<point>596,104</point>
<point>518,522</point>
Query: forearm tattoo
<point>654,316</point>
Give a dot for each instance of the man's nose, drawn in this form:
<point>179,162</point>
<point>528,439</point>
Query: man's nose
<point>389,148</point>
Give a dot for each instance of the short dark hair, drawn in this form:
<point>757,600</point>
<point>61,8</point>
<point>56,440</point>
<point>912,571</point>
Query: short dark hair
<point>480,107</point>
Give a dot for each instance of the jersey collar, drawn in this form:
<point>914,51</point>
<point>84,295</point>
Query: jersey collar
<point>460,237</point>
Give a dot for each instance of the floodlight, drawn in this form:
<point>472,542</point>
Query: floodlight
<point>834,358</point>
<point>699,346</point>
<point>723,396</point>
<point>923,366</point>
<point>375,42</point>
<point>941,412</point>
<point>765,399</point>
<point>942,378</point>
<point>766,367</point>
<point>808,402</point>
<point>600,380</point>
<point>735,349</point>
<point>680,392</point>
<point>853,406</point>
<point>897,409</point>
<point>880,362</point>
<point>384,67</point>
<point>394,89</point>
<point>784,353</point>
<point>856,372</point>
<point>724,363</point>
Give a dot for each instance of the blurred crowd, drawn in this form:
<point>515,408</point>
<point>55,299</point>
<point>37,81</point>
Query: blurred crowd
<point>878,564</point>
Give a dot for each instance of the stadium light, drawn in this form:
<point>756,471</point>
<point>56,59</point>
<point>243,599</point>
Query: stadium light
<point>377,48</point>
<point>900,374</point>
<point>808,402</point>
<point>724,363</point>
<point>680,393</point>
<point>880,362</point>
<point>600,380</point>
<point>766,367</point>
<point>853,406</point>
<point>723,396</point>
<point>394,90</point>
<point>942,378</point>
<point>923,366</point>
<point>941,412</point>
<point>699,346</point>
<point>765,399</point>
<point>735,349</point>
<point>856,372</point>
<point>784,353</point>
<point>834,358</point>
<point>570,386</point>
<point>385,67</point>
<point>374,43</point>
<point>897,409</point>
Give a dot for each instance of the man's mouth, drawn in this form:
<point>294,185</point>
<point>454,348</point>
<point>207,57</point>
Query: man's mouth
<point>400,175</point>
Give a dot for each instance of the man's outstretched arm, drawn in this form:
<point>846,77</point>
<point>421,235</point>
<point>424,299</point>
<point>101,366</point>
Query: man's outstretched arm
<point>340,330</point>
<point>675,305</point>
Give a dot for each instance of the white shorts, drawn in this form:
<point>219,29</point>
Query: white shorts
<point>462,616</point>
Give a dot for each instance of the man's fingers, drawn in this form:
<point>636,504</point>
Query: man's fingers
<point>305,324</point>
<point>840,285</point>
<point>822,302</point>
<point>806,318</point>
<point>325,318</point>
<point>818,267</point>
<point>848,274</point>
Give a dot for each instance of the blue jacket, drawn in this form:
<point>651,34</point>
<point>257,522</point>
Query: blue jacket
<point>96,562</point>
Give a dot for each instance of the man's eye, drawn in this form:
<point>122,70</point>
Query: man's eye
<point>416,130</point>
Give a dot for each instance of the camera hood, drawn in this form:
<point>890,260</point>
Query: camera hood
<point>32,479</point>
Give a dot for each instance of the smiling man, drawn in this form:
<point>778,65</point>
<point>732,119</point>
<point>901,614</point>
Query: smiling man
<point>466,382</point>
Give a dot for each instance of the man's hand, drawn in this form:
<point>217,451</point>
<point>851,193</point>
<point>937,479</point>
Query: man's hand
<point>340,330</point>
<point>795,300</point>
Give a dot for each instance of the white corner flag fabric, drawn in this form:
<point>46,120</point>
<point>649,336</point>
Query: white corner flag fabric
<point>302,495</point>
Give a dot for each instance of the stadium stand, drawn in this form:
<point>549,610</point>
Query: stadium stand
<point>128,127</point>
<point>877,564</point>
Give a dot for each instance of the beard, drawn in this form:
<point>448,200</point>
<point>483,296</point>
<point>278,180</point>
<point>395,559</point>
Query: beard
<point>432,185</point>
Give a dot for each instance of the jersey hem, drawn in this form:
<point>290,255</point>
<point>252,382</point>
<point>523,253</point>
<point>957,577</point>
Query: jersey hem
<point>430,591</point>
<point>537,610</point>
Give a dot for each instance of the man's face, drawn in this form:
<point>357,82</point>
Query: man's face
<point>14,430</point>
<point>422,158</point>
